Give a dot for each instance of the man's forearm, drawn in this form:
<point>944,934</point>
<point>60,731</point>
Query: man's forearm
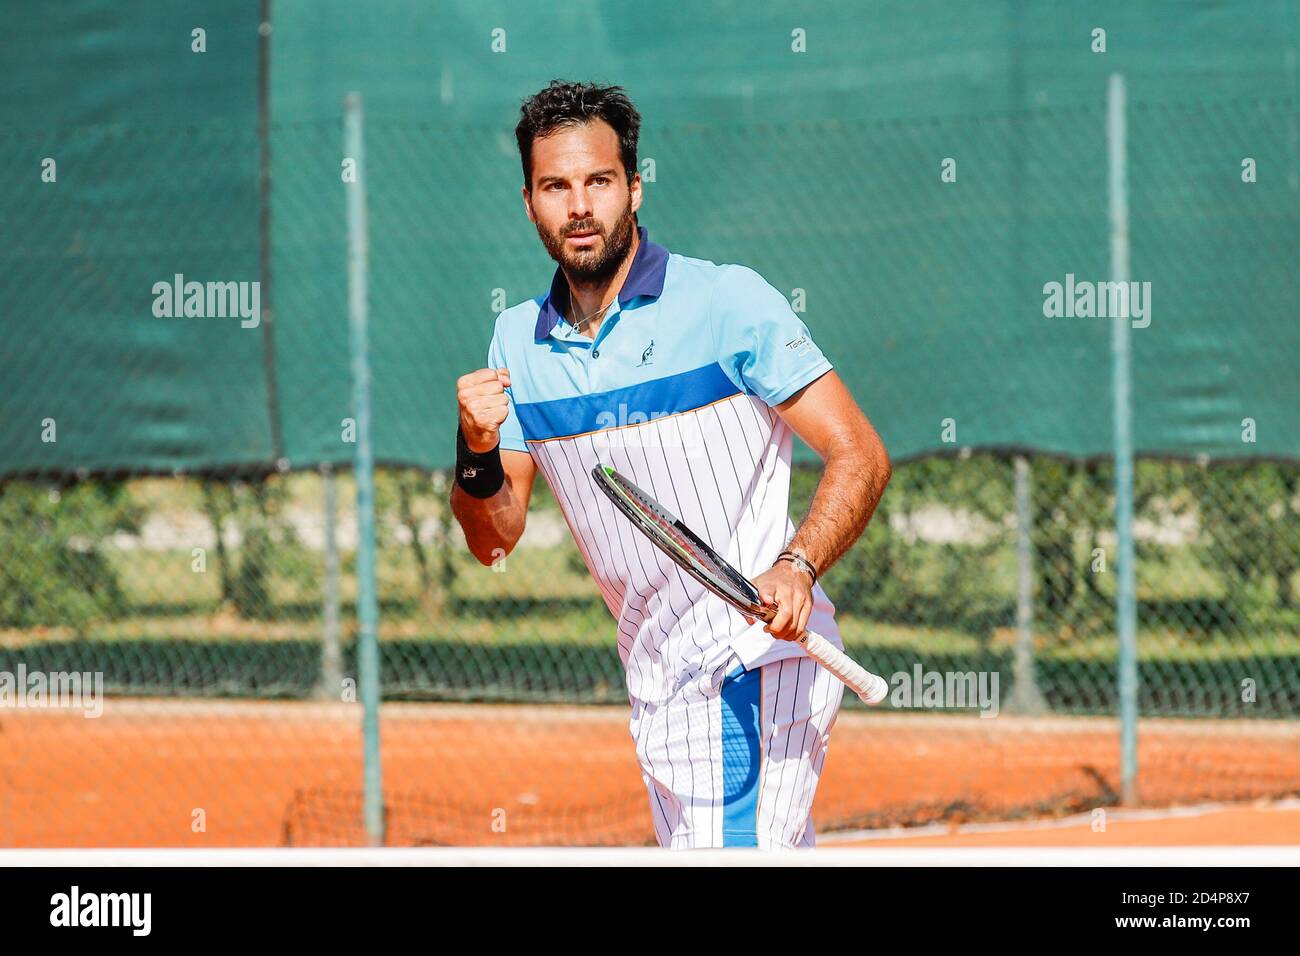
<point>493,525</point>
<point>847,494</point>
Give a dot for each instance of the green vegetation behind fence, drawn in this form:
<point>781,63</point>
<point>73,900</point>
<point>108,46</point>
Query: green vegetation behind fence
<point>214,586</point>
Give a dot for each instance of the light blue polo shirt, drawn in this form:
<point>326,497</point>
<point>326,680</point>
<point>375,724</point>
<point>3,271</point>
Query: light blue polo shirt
<point>676,392</point>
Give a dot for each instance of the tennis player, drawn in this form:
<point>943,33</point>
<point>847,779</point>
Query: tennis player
<point>691,379</point>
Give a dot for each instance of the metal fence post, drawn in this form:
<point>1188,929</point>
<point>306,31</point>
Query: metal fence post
<point>1026,698</point>
<point>331,658</point>
<point>364,470</point>
<point>1126,576</point>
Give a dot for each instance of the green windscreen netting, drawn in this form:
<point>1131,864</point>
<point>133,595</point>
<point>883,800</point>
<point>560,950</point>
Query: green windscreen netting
<point>926,290</point>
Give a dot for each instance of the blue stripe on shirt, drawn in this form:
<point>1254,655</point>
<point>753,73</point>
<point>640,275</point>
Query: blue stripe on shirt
<point>582,414</point>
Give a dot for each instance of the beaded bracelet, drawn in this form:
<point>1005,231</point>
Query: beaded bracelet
<point>799,561</point>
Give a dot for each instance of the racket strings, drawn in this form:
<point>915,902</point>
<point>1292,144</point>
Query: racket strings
<point>688,550</point>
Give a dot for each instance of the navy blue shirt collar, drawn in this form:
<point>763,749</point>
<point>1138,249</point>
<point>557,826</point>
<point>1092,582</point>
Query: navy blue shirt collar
<point>646,277</point>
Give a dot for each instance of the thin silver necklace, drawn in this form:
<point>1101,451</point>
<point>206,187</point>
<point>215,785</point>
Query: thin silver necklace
<point>581,325</point>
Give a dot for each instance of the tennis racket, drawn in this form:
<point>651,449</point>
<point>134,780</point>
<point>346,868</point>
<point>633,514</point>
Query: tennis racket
<point>705,565</point>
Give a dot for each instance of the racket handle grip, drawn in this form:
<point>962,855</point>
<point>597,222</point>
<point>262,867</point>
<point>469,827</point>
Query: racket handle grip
<point>870,688</point>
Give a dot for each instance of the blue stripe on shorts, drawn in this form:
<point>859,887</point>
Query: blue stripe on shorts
<point>741,756</point>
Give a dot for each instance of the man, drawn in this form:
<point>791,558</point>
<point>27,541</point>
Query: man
<point>689,378</point>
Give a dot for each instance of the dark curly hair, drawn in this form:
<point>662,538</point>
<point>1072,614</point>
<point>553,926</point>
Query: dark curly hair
<point>575,104</point>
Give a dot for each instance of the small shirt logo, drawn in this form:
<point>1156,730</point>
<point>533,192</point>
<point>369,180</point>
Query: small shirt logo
<point>647,357</point>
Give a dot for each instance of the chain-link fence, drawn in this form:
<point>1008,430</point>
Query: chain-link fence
<point>226,646</point>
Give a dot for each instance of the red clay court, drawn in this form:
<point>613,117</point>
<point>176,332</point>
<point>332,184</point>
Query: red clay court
<point>178,773</point>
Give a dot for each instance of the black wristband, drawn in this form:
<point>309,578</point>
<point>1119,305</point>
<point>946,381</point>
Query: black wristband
<point>479,476</point>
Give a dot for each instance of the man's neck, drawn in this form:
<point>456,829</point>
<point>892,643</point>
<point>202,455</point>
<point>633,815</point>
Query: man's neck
<point>586,299</point>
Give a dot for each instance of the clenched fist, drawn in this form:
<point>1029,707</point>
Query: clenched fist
<point>483,407</point>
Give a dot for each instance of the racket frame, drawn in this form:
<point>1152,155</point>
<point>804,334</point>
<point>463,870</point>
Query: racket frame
<point>659,525</point>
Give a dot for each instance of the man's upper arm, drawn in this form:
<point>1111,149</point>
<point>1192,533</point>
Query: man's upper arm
<point>825,415</point>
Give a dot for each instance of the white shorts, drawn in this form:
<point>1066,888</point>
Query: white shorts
<point>733,759</point>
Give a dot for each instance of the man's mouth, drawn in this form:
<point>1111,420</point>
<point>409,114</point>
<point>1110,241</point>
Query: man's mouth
<point>583,238</point>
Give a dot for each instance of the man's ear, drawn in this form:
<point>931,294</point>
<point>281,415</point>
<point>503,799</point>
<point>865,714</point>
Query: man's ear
<point>528,204</point>
<point>636,193</point>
